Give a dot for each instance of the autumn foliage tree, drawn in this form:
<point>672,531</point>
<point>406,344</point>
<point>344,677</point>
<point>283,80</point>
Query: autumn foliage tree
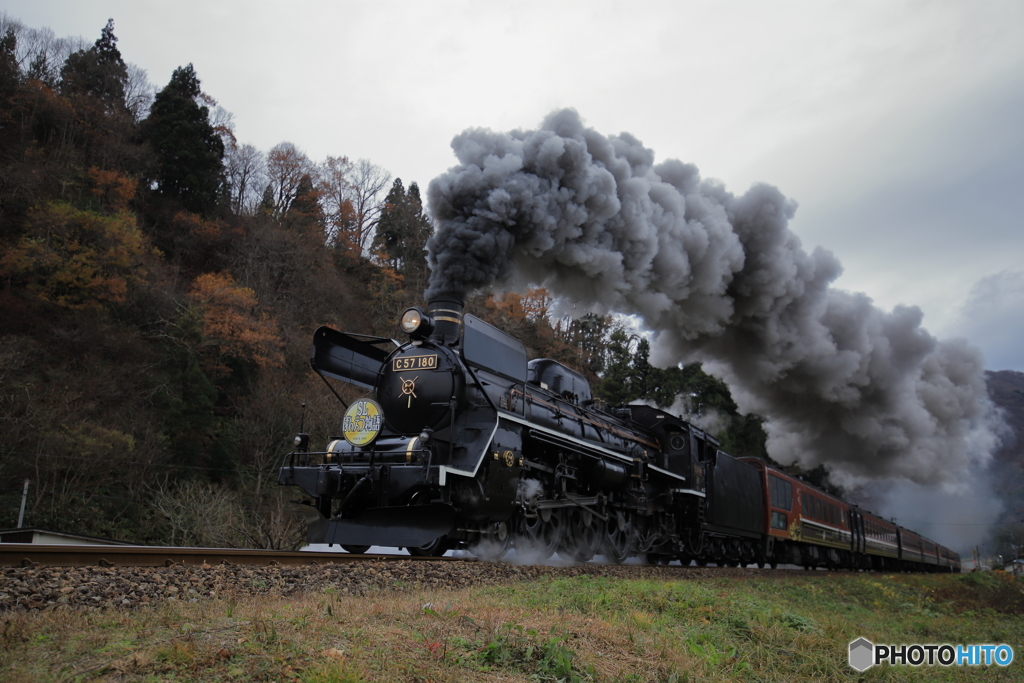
<point>233,328</point>
<point>286,165</point>
<point>305,215</point>
<point>78,259</point>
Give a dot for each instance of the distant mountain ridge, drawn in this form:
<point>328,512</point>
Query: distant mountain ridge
<point>1006,387</point>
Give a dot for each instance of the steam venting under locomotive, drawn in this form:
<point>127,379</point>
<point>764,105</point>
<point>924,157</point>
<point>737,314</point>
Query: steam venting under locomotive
<point>467,443</point>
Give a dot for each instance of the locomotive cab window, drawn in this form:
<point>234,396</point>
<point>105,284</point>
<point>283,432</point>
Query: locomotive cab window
<point>703,450</point>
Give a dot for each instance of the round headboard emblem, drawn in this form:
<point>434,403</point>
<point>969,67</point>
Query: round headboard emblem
<point>363,421</point>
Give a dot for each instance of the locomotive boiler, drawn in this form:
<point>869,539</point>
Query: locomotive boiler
<point>467,443</point>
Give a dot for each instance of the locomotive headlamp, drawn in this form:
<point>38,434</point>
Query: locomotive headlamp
<point>416,323</point>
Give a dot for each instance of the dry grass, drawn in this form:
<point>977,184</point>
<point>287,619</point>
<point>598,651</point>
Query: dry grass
<point>762,628</point>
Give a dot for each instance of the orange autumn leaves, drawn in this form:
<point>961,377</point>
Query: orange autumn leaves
<point>82,259</point>
<point>78,259</point>
<point>232,325</point>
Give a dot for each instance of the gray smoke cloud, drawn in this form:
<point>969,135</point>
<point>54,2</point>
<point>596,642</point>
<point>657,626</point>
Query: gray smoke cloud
<point>718,278</point>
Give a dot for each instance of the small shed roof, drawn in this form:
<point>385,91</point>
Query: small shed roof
<point>45,536</point>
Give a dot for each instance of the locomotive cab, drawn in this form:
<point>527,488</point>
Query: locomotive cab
<point>683,447</point>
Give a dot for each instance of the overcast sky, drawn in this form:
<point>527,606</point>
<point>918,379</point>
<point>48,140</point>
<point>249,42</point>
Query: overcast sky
<point>897,126</point>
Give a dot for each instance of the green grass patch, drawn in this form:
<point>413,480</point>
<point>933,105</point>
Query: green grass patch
<point>754,627</point>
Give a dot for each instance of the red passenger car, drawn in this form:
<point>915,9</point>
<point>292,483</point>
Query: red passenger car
<point>809,527</point>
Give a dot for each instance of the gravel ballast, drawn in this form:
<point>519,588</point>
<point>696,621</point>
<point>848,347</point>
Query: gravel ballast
<point>39,588</point>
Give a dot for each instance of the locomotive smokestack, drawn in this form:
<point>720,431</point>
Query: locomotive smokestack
<point>447,315</point>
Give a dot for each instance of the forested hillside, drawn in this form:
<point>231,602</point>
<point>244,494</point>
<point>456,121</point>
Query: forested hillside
<point>160,282</point>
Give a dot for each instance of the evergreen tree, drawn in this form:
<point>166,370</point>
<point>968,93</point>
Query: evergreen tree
<point>9,76</point>
<point>304,215</point>
<point>98,72</point>
<point>587,337</point>
<point>39,70</point>
<point>14,201</point>
<point>267,205</point>
<point>629,377</point>
<point>189,166</point>
<point>616,386</point>
<point>10,84</point>
<point>392,226</point>
<point>402,234</point>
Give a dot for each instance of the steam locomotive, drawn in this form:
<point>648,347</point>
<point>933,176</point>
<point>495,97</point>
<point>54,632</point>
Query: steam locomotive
<point>469,444</point>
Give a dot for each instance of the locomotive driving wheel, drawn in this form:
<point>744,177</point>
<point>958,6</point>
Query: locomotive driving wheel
<point>618,537</point>
<point>494,543</point>
<point>583,535</point>
<point>355,549</point>
<point>540,534</point>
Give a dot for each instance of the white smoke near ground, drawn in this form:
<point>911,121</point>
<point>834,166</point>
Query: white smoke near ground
<point>523,550</point>
<point>718,278</point>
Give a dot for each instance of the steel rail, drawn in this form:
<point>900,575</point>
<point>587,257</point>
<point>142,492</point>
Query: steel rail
<point>37,554</point>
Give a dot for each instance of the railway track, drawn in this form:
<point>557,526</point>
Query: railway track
<point>34,554</point>
<point>42,555</point>
<point>127,577</point>
<point>39,577</point>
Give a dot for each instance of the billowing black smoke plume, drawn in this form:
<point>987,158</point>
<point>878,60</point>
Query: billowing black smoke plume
<point>718,278</point>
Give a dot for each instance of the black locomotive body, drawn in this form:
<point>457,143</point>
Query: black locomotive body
<point>469,444</point>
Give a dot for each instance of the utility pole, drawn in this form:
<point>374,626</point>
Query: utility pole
<point>24,497</point>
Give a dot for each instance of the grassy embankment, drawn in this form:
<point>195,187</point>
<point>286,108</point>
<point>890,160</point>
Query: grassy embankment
<point>750,627</point>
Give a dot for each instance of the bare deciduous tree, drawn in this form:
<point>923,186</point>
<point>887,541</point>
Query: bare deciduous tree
<point>222,121</point>
<point>369,181</point>
<point>285,166</point>
<point>352,195</point>
<point>336,194</point>
<point>199,514</point>
<point>39,52</point>
<point>274,524</point>
<point>138,92</point>
<point>246,172</point>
